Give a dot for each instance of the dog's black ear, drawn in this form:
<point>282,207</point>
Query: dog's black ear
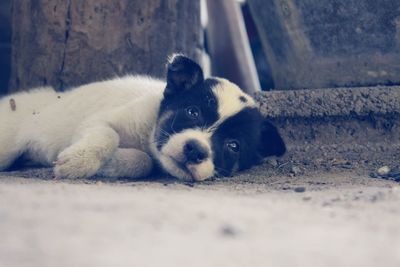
<point>182,74</point>
<point>271,143</point>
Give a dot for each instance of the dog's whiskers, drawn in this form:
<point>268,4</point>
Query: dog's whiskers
<point>165,132</point>
<point>173,122</point>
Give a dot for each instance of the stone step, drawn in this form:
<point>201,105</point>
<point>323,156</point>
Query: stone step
<point>353,126</point>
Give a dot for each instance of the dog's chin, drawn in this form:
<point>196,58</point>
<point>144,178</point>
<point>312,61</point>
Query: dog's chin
<point>184,171</point>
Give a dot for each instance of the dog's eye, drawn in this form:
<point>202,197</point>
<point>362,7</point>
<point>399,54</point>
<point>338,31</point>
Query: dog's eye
<point>192,112</point>
<point>233,145</point>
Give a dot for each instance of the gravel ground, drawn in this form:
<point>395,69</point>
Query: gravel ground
<point>257,218</point>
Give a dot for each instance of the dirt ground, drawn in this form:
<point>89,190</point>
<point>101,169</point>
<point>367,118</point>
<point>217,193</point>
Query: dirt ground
<point>253,219</point>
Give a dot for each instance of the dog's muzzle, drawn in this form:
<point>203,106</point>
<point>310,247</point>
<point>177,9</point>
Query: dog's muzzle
<point>194,152</point>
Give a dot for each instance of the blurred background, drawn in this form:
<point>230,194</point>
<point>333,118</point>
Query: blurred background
<point>259,44</point>
<point>5,44</point>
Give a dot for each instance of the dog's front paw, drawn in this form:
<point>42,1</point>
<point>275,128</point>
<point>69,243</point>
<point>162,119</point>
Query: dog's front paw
<point>75,163</point>
<point>130,163</point>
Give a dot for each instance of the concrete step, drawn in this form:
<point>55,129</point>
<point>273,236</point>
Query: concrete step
<point>325,43</point>
<point>344,127</point>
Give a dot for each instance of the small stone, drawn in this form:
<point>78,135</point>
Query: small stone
<point>318,162</point>
<point>189,184</point>
<point>300,189</point>
<point>306,198</point>
<point>272,162</point>
<point>373,175</point>
<point>13,106</point>
<point>228,230</point>
<point>295,170</point>
<point>347,165</point>
<point>383,170</point>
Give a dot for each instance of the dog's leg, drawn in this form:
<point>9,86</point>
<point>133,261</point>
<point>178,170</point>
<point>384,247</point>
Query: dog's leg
<point>85,157</point>
<point>8,154</point>
<point>10,149</point>
<point>130,163</point>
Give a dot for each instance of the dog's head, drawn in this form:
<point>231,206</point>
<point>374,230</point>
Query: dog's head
<point>209,127</point>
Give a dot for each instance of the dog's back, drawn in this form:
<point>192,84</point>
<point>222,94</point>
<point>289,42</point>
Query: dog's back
<point>42,122</point>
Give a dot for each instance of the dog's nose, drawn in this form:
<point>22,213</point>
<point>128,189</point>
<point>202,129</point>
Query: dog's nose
<point>195,152</point>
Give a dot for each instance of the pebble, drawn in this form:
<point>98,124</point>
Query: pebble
<point>373,175</point>
<point>295,170</point>
<point>300,189</point>
<point>12,104</point>
<point>384,170</point>
<point>272,162</point>
<point>189,184</point>
<point>347,165</point>
<point>228,230</point>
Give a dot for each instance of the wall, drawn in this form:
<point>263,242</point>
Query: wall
<point>5,47</point>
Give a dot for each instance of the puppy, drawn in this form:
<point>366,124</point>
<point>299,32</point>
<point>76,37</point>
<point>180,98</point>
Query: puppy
<point>194,128</point>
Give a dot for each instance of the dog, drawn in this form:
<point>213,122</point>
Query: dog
<point>193,128</point>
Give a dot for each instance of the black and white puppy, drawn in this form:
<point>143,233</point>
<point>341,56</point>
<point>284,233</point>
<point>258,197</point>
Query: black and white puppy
<point>195,128</point>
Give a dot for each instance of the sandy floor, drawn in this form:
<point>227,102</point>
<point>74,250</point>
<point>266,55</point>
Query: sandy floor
<point>344,219</point>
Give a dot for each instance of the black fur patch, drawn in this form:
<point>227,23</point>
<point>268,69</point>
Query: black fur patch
<point>242,99</point>
<point>200,97</point>
<point>256,137</point>
<point>244,128</point>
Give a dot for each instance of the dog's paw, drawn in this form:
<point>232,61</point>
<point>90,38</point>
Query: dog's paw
<point>75,163</point>
<point>130,163</point>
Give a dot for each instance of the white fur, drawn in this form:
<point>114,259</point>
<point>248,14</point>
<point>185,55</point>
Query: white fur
<point>125,162</point>
<point>172,152</point>
<point>81,130</point>
<point>173,56</point>
<point>228,95</point>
